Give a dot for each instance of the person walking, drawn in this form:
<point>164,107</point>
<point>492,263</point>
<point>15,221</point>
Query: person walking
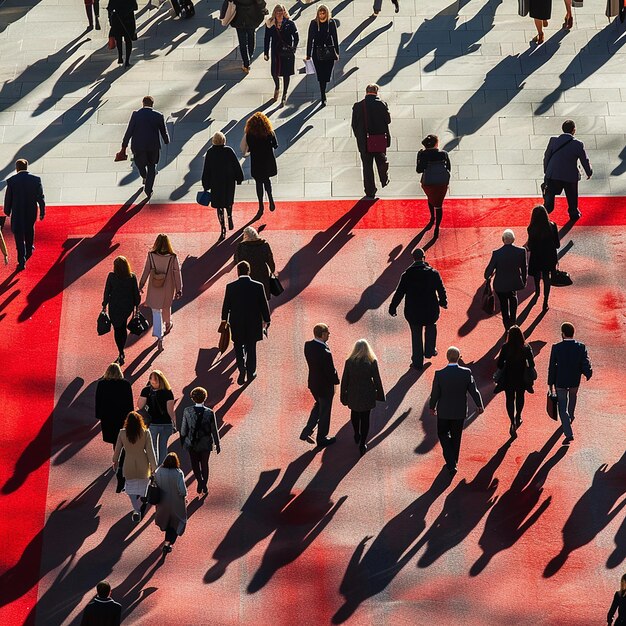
<point>260,142</point>
<point>323,47</point>
<point>618,605</point>
<point>157,398</point>
<point>511,271</point>
<point>560,169</point>
<point>448,401</point>
<point>258,253</point>
<point>245,308</point>
<point>248,17</point>
<point>102,610</point>
<point>321,382</point>
<point>434,166</point>
<point>92,8</point>
<point>543,243</point>
<point>123,26</point>
<point>199,436</point>
<point>370,125</point>
<point>3,245</point>
<point>281,35</point>
<point>516,366</point>
<point>222,172</point>
<point>114,401</point>
<point>162,273</point>
<point>171,510</point>
<point>569,361</point>
<point>145,130</point>
<point>361,387</point>
<point>23,196</point>
<point>424,293</point>
<point>139,463</point>
<point>378,5</point>
<point>121,296</point>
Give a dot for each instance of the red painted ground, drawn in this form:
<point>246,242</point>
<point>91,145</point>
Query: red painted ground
<point>528,532</point>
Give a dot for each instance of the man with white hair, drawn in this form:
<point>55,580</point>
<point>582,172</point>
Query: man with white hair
<point>511,270</point>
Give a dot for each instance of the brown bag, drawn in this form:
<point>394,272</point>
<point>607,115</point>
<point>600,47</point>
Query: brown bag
<point>488,301</point>
<point>224,342</point>
<point>111,44</point>
<point>156,278</point>
<point>552,408</point>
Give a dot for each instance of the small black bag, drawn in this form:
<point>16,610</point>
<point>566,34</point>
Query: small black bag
<point>153,494</point>
<point>560,278</point>
<point>487,299</point>
<point>325,53</point>
<point>138,324</point>
<point>552,408</point>
<point>275,286</point>
<point>104,323</point>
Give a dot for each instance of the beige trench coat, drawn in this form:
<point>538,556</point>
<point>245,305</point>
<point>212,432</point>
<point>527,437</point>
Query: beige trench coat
<point>161,297</point>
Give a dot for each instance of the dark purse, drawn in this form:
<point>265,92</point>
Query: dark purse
<point>276,287</point>
<point>552,406</point>
<point>153,494</point>
<point>560,278</point>
<point>488,300</point>
<point>104,323</point>
<point>203,198</point>
<point>530,376</point>
<point>138,324</point>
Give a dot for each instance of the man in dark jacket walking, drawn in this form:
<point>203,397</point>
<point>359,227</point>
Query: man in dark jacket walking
<point>103,610</point>
<point>371,118</point>
<point>245,308</point>
<point>144,132</point>
<point>23,196</point>
<point>248,17</point>
<point>424,294</point>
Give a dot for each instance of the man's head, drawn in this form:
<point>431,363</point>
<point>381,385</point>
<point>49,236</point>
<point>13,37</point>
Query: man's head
<point>103,589</point>
<point>198,395</point>
<point>371,89</point>
<point>21,165</point>
<point>453,354</point>
<point>320,331</point>
<point>418,254</point>
<point>243,268</point>
<point>569,127</point>
<point>148,101</point>
<point>567,330</point>
<point>508,236</point>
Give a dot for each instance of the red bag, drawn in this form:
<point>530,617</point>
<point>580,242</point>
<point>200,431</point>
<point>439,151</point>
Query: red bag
<point>111,44</point>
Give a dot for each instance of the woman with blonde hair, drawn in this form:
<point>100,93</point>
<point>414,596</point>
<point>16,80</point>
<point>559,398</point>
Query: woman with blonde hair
<point>361,388</point>
<point>162,272</point>
<point>140,462</point>
<point>260,142</point>
<point>323,46</point>
<point>157,398</point>
<point>282,34</point>
<point>259,255</point>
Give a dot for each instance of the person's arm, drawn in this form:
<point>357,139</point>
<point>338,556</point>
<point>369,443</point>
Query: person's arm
<point>614,607</point>
<point>584,160</point>
<point>447,161</point>
<point>524,265</point>
<point>547,154</point>
<point>170,411</point>
<point>265,309</point>
<point>274,141</point>
<point>206,170</point>
<point>345,384</point>
<point>141,401</point>
<point>310,40</point>
<point>145,274</point>
<point>530,356</point>
<point>332,27</point>
<point>435,394</point>
<point>501,358</point>
<point>178,278</point>
<point>442,296</point>
<point>8,200</point>
<point>180,484</point>
<point>355,118</point>
<point>552,366</point>
<point>226,305</point>
<point>163,129</point>
<point>216,433</point>
<point>41,201</point>
<point>586,364</point>
<point>489,270</point>
<point>555,235</point>
<point>475,394</point>
<point>378,383</point>
<point>106,296</point>
<point>266,43</point>
<point>150,452</point>
<point>184,426</point>
<point>129,131</point>
<point>397,296</point>
<point>270,259</point>
<point>296,36</point>
<point>419,165</point>
<point>237,169</point>
<point>117,451</point>
<point>136,296</point>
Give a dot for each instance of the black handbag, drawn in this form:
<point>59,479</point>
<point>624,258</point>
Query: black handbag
<point>552,408</point>
<point>488,300</point>
<point>138,324</point>
<point>153,494</point>
<point>104,323</point>
<point>530,376</point>
<point>560,278</point>
<point>276,287</point>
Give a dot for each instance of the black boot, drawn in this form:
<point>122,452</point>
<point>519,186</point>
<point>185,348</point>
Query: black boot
<point>229,212</point>
<point>220,217</point>
<point>438,216</point>
<point>431,209</point>
<point>96,13</point>
<point>88,10</point>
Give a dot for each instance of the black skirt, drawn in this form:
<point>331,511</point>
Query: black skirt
<point>541,9</point>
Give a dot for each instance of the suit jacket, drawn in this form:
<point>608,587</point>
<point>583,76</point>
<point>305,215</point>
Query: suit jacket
<point>378,120</point>
<point>449,393</point>
<point>23,195</point>
<point>102,612</point>
<point>245,308</point>
<point>208,435</point>
<point>564,164</point>
<point>144,129</point>
<point>322,373</point>
<point>509,264</point>
<point>422,288</point>
<point>568,362</point>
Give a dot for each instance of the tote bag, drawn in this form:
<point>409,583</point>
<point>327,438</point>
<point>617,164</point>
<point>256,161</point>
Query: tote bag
<point>523,7</point>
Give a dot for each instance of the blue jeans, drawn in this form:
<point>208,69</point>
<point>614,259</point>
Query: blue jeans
<point>160,434</point>
<point>566,399</point>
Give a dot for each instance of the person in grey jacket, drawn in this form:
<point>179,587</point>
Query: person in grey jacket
<point>511,268</point>
<point>361,388</point>
<point>199,435</point>
<point>560,168</point>
<point>171,511</point>
<point>448,401</point>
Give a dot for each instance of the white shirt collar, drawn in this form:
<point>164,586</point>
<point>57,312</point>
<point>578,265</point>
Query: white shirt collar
<point>320,341</point>
<point>452,365</point>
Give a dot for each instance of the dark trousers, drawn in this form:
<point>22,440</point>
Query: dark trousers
<point>367,160</point>
<point>121,335</point>
<point>508,306</point>
<point>361,424</point>
<point>200,466</point>
<point>24,240</point>
<point>514,402</point>
<point>129,47</point>
<point>171,535</point>
<point>422,347</point>
<point>554,188</point>
<point>378,5</point>
<point>285,83</point>
<point>320,417</point>
<point>247,44</point>
<point>449,433</point>
<point>245,355</point>
<point>545,275</point>
<point>264,184</point>
<point>566,399</point>
<point>146,162</point>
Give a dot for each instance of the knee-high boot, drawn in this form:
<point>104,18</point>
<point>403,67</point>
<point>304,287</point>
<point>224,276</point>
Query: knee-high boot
<point>229,212</point>
<point>220,217</point>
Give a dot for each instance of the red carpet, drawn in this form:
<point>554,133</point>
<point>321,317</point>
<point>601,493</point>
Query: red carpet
<point>524,532</point>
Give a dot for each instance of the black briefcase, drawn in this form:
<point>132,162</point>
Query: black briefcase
<point>275,286</point>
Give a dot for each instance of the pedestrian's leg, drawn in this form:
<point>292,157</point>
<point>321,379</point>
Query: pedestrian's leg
<point>313,420</point>
<point>220,219</point>
<point>204,468</point>
<point>323,425</point>
<point>259,193</point>
<point>165,430</point>
<point>509,395</point>
<point>118,43</point>
<point>504,308</point>
<point>430,340</point>
<point>267,183</point>
<point>250,359</point>
<point>365,426</point>
<point>546,288</point>
<point>96,13</point>
<point>549,195</point>
<point>121,335</point>
<point>519,406</point>
<point>382,165</point>
<point>571,405</point>
<point>194,457</point>
<point>276,86</point>
<point>242,37</point>
<point>129,49</point>
<point>229,212</point>
<point>571,193</point>
<point>285,88</point>
<point>356,425</point>
<point>417,346</point>
<point>157,324</point>
<point>443,433</point>
<point>513,307</point>
<point>323,91</point>
<point>537,281</point>
<point>562,399</point>
<point>456,431</point>
<point>438,218</point>
<point>240,358</point>
<point>89,11</point>
<point>251,40</point>
<point>367,160</point>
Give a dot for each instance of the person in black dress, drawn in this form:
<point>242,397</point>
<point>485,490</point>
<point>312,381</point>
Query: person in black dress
<point>543,243</point>
<point>323,46</point>
<point>259,255</point>
<point>515,362</point>
<point>123,26</point>
<point>114,401</point>
<point>260,142</point>
<point>434,166</point>
<point>619,605</point>
<point>222,171</point>
<point>541,12</point>
<point>121,295</point>
<point>283,35</point>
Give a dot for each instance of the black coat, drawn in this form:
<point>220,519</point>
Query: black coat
<point>361,385</point>
<point>23,195</point>
<point>245,307</point>
<point>259,254</point>
<point>322,373</point>
<point>121,294</point>
<point>422,288</point>
<point>101,612</point>
<point>509,264</point>
<point>378,120</point>
<point>568,362</point>
<point>287,36</point>
<point>221,173</point>
<point>321,35</point>
<point>114,401</point>
<point>543,251</point>
<point>262,159</point>
<point>513,367</point>
<point>122,19</point>
<point>249,13</point>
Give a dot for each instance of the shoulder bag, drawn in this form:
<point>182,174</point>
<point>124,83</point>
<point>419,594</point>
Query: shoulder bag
<point>560,278</point>
<point>325,52</point>
<point>375,143</point>
<point>153,493</point>
<point>544,184</point>
<point>276,287</point>
<point>157,278</point>
<point>523,7</point>
<point>203,198</point>
<point>285,50</point>
<point>224,341</point>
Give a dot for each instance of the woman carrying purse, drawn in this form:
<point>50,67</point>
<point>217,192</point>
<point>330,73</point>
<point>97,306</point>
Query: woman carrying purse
<point>283,36</point>
<point>323,46</point>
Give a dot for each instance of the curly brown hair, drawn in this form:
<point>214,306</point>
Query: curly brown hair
<point>259,125</point>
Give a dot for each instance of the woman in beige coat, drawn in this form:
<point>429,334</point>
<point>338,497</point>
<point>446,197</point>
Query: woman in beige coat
<point>140,462</point>
<point>162,272</point>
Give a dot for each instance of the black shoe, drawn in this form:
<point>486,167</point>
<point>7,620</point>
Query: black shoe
<point>272,206</point>
<point>205,490</point>
<point>241,379</point>
<point>199,488</point>
<point>251,377</point>
<point>29,253</point>
<point>327,441</point>
<point>128,64</point>
<point>89,28</point>
<point>417,366</point>
<point>575,216</point>
<point>451,469</point>
<point>167,549</point>
<point>363,449</point>
<point>20,267</point>
<point>230,223</point>
<point>371,196</point>
<point>306,436</point>
<point>222,235</point>
<point>120,61</point>
<point>121,358</point>
<point>396,3</point>
<point>98,25</point>
<point>144,506</point>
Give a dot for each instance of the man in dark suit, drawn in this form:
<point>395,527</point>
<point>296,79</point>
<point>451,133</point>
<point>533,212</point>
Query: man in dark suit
<point>448,401</point>
<point>103,610</point>
<point>370,116</point>
<point>560,168</point>
<point>511,268</point>
<point>322,380</point>
<point>424,294</point>
<point>245,308</point>
<point>144,132</point>
<point>569,361</point>
<point>23,196</point>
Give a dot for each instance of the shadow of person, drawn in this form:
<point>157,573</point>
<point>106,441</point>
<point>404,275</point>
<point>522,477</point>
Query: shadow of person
<point>516,510</point>
<point>620,168</point>
<point>369,573</point>
<point>619,553</point>
<point>593,512</point>
<point>475,313</point>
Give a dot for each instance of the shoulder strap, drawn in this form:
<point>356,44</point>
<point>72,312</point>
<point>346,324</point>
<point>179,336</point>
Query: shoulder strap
<point>365,115</point>
<point>555,151</point>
